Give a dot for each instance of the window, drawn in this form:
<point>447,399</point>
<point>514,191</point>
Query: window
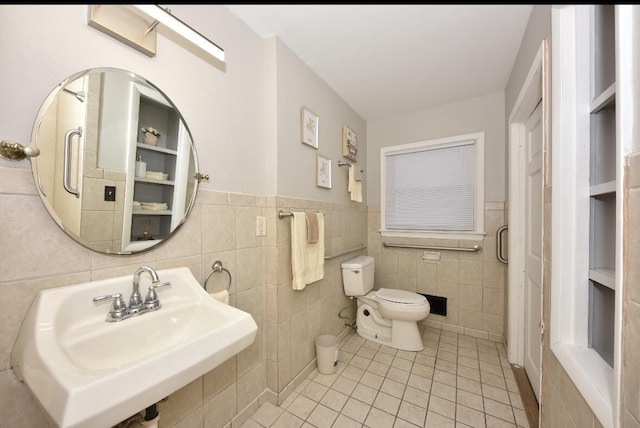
<point>434,188</point>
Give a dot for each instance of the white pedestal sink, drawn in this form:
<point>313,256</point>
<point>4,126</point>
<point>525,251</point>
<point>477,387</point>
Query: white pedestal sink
<point>86,372</point>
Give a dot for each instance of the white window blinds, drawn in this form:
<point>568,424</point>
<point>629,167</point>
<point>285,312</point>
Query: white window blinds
<point>431,188</point>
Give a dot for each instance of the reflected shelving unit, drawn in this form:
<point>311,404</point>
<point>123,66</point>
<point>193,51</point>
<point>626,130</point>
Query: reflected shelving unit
<point>158,200</point>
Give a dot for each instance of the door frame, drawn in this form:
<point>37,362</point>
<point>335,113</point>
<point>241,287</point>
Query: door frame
<point>534,88</point>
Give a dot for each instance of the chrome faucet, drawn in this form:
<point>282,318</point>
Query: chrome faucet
<point>119,310</point>
<point>135,301</point>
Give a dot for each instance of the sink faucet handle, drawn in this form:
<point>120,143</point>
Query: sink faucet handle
<point>151,302</point>
<point>118,309</point>
<point>118,301</point>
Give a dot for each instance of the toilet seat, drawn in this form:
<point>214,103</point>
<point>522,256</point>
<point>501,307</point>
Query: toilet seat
<point>390,295</point>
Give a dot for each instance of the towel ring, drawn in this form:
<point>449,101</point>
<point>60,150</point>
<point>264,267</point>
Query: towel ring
<point>217,267</point>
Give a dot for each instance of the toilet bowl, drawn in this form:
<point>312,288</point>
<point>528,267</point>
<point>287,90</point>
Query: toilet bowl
<point>386,316</point>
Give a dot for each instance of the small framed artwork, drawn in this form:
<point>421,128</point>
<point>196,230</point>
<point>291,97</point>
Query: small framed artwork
<point>349,144</point>
<point>323,171</point>
<point>309,127</point>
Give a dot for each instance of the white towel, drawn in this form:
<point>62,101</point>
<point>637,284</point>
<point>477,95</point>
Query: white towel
<point>221,296</point>
<point>155,206</point>
<point>307,260</point>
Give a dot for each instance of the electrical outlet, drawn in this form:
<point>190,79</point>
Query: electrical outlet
<point>261,226</point>
<point>110,193</point>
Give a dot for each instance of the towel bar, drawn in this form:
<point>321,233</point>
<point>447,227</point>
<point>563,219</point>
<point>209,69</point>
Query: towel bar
<point>361,247</point>
<point>283,214</point>
<point>340,163</point>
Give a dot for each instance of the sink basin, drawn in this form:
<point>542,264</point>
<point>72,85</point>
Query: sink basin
<point>87,372</point>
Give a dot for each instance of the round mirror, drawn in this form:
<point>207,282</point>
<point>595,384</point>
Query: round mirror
<point>117,168</point>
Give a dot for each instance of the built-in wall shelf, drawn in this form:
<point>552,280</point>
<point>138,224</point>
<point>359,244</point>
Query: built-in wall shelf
<point>153,181</point>
<point>603,186</point>
<point>151,212</point>
<point>156,149</point>
<point>604,100</point>
<point>603,189</point>
<point>603,276</point>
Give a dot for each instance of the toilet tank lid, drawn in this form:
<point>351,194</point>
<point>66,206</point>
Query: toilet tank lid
<point>400,296</point>
<point>358,262</point>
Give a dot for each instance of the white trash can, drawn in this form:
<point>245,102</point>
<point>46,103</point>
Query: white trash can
<point>327,353</point>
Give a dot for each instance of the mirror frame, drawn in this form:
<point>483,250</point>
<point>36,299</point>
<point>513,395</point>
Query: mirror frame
<point>192,174</point>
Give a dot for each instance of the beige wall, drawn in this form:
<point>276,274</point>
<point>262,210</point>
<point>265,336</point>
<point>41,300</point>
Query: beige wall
<point>630,408</point>
<point>473,283</point>
<point>295,318</point>
<point>480,114</point>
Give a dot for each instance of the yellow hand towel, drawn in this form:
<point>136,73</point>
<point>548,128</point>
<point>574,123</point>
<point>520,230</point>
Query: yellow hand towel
<point>356,191</point>
<point>307,260</point>
<point>352,178</point>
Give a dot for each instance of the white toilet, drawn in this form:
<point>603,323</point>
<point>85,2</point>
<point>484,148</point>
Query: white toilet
<point>386,316</point>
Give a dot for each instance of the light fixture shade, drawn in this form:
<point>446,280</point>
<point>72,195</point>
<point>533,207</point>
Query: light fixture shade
<point>179,27</point>
<point>124,25</point>
<point>131,25</point>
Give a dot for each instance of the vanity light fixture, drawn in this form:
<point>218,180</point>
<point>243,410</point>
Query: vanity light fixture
<point>130,25</point>
<point>165,17</point>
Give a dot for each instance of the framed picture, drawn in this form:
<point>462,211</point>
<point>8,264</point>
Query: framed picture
<point>323,171</point>
<point>309,127</point>
<point>349,144</point>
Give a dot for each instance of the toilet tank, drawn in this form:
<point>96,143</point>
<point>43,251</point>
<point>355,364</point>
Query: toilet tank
<point>357,275</point>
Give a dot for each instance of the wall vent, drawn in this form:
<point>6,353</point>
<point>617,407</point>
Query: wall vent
<point>438,304</point>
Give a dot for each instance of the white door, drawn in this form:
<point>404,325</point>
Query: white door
<point>533,247</point>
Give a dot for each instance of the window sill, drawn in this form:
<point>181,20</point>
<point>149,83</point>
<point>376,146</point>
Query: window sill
<point>592,376</point>
<point>470,236</point>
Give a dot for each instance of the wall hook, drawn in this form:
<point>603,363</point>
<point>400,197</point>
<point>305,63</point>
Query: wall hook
<point>12,150</point>
<point>201,177</point>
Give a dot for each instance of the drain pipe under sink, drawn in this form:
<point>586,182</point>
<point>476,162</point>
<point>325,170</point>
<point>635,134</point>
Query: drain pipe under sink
<point>151,417</point>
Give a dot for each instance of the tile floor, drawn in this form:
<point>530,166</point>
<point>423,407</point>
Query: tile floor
<point>456,381</point>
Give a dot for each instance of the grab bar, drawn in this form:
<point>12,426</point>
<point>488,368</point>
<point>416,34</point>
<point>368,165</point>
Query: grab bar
<point>65,172</point>
<point>473,249</point>
<point>361,247</point>
<point>499,233</point>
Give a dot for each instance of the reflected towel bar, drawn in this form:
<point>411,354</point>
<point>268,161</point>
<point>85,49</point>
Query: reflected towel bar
<point>473,249</point>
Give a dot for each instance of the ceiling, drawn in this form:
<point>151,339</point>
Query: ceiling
<point>387,60</point>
